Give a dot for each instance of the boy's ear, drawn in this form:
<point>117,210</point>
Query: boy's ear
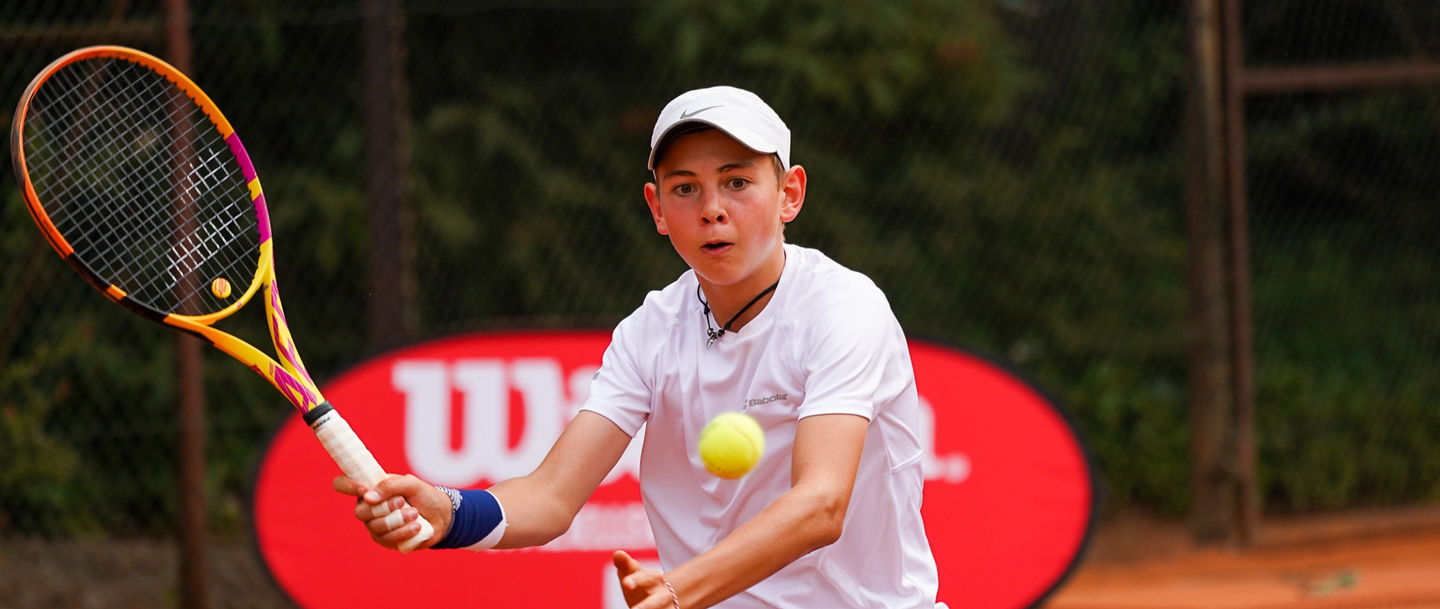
<point>793,193</point>
<point>652,199</point>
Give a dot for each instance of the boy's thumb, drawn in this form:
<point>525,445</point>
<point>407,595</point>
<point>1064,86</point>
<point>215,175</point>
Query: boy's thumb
<point>624,563</point>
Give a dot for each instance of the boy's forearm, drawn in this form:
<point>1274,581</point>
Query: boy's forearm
<point>540,506</point>
<point>531,519</point>
<point>795,524</point>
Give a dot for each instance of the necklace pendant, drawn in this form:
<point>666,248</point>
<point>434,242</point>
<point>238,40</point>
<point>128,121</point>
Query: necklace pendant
<point>714,335</point>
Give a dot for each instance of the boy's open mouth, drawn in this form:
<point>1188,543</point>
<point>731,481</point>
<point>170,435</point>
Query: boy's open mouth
<point>715,245</point>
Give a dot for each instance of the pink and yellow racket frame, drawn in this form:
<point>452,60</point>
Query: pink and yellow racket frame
<point>288,375</point>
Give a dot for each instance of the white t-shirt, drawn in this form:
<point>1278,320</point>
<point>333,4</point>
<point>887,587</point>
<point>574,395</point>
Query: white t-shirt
<point>827,342</point>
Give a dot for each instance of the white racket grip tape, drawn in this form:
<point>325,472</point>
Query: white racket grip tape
<point>359,465</point>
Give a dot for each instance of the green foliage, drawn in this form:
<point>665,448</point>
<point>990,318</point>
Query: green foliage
<point>1346,415</point>
<point>1345,262</point>
<point>1140,439</point>
<point>77,459</point>
<point>877,60</point>
<point>39,466</point>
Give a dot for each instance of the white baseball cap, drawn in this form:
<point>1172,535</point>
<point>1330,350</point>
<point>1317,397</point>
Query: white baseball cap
<point>739,113</point>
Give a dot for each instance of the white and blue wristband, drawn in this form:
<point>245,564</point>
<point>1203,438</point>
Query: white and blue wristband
<point>477,521</point>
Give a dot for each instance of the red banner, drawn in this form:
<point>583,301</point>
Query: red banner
<point>1009,494</point>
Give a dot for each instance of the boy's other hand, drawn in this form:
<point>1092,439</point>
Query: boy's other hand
<point>643,588</point>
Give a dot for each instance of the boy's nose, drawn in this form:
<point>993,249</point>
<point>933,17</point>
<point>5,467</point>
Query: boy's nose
<point>711,211</point>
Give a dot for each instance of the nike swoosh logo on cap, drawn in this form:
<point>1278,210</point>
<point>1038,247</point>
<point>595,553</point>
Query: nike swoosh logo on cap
<point>694,112</point>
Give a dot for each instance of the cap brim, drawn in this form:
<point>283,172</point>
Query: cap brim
<point>748,138</point>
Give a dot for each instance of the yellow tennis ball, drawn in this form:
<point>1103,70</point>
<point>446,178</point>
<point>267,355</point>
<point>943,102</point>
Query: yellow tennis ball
<point>731,444</point>
<point>220,287</point>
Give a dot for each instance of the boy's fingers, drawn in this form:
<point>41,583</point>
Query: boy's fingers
<point>394,521</point>
<point>398,485</point>
<point>393,488</point>
<point>365,507</point>
<point>344,485</point>
<point>397,536</point>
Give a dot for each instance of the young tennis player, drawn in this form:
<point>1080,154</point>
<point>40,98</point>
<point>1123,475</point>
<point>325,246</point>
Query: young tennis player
<point>830,516</point>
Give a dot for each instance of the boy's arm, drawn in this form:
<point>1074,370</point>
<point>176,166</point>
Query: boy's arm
<point>538,507</point>
<point>808,516</point>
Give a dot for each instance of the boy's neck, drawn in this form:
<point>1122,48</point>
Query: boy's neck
<point>730,302</point>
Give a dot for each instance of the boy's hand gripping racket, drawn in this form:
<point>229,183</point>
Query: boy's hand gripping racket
<point>142,186</point>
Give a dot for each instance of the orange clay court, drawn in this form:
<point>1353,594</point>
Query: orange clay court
<point>1367,561</point>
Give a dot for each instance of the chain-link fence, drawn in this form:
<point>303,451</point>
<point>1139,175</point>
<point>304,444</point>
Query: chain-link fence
<point>1343,226</point>
<point>1010,172</point>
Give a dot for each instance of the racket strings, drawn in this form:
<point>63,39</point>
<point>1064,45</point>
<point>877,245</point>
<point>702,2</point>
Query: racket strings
<point>135,176</point>
<point>191,249</point>
<point>150,225</point>
<point>146,220</point>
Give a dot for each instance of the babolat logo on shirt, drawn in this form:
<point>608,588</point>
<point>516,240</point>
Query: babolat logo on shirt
<point>765,400</point>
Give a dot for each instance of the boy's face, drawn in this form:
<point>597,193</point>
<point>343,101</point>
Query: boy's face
<point>724,209</point>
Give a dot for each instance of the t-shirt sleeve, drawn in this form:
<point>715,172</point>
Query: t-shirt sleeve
<point>620,390</point>
<point>855,358</point>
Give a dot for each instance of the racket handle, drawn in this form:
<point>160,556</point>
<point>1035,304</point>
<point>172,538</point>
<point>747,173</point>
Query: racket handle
<point>359,465</point>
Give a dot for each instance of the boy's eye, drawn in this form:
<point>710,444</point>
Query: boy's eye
<point>684,189</point>
<point>738,183</point>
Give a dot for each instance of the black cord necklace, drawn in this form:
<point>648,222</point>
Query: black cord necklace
<point>716,334</point>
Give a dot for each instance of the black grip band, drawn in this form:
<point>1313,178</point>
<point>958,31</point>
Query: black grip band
<point>317,412</point>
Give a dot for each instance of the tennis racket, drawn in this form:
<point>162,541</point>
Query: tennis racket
<point>140,183</point>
